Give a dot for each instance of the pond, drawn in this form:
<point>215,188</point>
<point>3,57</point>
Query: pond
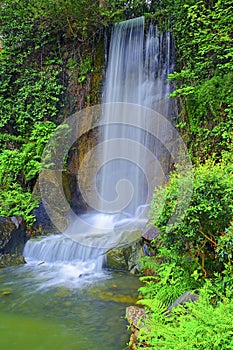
<point>50,307</point>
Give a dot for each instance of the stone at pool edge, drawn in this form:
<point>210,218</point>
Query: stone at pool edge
<point>136,316</point>
<point>11,260</point>
<point>13,237</point>
<point>125,258</point>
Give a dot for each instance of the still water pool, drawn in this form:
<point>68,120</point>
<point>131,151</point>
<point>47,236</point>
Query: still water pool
<point>77,313</point>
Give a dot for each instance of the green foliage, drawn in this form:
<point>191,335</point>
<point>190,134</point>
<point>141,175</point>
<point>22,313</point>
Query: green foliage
<point>198,325</point>
<point>204,51</point>
<point>24,163</point>
<point>116,11</point>
<point>18,167</point>
<point>207,26</point>
<point>205,224</point>
<point>209,119</point>
<point>172,276</point>
<point>32,97</point>
<point>204,324</point>
<point>31,89</point>
<point>225,244</point>
<point>85,67</point>
<point>17,201</point>
<point>76,18</point>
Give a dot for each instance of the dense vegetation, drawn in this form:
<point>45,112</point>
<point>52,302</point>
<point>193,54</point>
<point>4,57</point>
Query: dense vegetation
<point>48,60</point>
<point>196,253</point>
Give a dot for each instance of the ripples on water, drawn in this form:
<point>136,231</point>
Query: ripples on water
<point>53,307</point>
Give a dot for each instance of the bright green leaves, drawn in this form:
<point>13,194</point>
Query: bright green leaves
<point>203,37</point>
<point>210,115</point>
<point>204,50</point>
<point>18,202</point>
<point>18,167</point>
<point>35,96</point>
<point>206,219</point>
<point>85,67</point>
<point>76,18</point>
<point>197,325</point>
<point>196,254</point>
<point>30,88</point>
<point>23,163</point>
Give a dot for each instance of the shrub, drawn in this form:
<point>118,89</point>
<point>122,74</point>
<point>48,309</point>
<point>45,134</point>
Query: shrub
<point>204,231</point>
<point>198,325</point>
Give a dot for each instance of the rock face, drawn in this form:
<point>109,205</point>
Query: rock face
<point>12,240</point>
<point>148,235</point>
<point>60,190</point>
<point>43,222</point>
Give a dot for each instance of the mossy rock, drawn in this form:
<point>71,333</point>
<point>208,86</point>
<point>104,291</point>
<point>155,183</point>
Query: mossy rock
<point>10,260</point>
<point>125,258</point>
<point>118,259</point>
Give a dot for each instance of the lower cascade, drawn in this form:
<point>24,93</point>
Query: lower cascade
<point>62,261</point>
<point>58,248</point>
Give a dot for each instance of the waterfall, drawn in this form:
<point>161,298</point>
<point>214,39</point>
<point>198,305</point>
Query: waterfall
<point>136,81</point>
<point>138,67</point>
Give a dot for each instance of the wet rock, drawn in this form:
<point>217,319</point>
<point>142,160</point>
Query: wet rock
<point>135,316</point>
<point>43,223</point>
<point>12,235</point>
<point>12,241</point>
<point>125,258</point>
<point>6,292</point>
<point>10,260</point>
<point>148,235</point>
<point>118,298</point>
<point>55,203</point>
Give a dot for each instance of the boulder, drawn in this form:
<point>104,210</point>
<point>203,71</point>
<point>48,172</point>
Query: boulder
<point>125,258</point>
<point>186,297</point>
<point>135,316</point>
<point>10,260</point>
<point>150,233</point>
<point>12,241</point>
<point>12,235</point>
<point>43,224</point>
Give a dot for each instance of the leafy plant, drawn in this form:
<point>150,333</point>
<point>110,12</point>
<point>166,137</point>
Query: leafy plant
<point>206,219</point>
<point>203,74</point>
<point>198,325</point>
<point>17,201</point>
<point>18,168</point>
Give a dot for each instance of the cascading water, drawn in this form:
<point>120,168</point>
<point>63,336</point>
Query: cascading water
<point>62,261</point>
<point>138,66</point>
<point>137,72</point>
